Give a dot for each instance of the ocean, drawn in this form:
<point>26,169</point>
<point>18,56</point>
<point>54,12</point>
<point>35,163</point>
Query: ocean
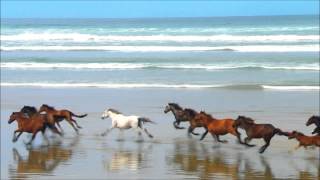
<point>261,53</point>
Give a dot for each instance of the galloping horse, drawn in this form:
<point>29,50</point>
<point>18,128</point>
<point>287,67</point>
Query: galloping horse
<point>253,130</point>
<point>217,127</point>
<point>183,115</point>
<point>55,116</point>
<point>121,121</point>
<point>34,124</point>
<point>304,140</point>
<point>314,120</point>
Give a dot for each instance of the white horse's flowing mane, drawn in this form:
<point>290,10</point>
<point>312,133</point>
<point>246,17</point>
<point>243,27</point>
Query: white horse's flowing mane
<point>114,111</point>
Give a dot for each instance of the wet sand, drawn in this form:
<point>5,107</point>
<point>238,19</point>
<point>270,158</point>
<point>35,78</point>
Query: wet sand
<point>171,154</point>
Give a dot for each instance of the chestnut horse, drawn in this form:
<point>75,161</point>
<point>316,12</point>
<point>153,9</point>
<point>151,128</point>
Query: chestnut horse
<point>58,115</point>
<point>314,120</point>
<point>216,127</point>
<point>304,140</point>
<point>34,124</point>
<point>253,130</point>
<point>183,115</point>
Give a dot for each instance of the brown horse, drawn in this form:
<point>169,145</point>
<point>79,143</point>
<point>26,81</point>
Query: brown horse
<point>314,120</point>
<point>304,140</point>
<point>216,127</point>
<point>34,124</point>
<point>183,115</point>
<point>257,131</point>
<point>58,115</point>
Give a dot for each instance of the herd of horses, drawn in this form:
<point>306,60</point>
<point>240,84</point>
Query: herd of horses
<point>32,121</point>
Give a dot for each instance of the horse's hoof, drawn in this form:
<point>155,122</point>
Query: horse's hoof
<point>150,136</point>
<point>79,127</point>
<point>14,140</point>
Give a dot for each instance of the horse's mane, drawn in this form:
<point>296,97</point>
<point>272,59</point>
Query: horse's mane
<point>49,107</point>
<point>175,105</point>
<point>299,133</point>
<point>206,114</point>
<point>247,119</point>
<point>114,111</point>
<point>191,111</point>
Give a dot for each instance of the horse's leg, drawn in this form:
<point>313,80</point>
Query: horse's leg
<point>70,122</point>
<point>191,131</point>
<point>107,131</point>
<point>45,136</point>
<point>32,138</point>
<point>238,135</point>
<point>76,123</point>
<point>58,123</point>
<point>204,135</point>
<point>15,138</point>
<point>176,125</point>
<point>264,147</point>
<point>55,129</point>
<point>247,140</point>
<point>222,141</point>
<point>146,131</point>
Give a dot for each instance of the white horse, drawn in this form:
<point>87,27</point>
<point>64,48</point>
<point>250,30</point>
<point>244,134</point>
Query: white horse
<point>121,121</point>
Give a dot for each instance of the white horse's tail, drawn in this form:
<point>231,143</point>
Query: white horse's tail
<point>142,120</point>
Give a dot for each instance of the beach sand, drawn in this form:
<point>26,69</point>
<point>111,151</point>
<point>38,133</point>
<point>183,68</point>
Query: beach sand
<point>171,154</point>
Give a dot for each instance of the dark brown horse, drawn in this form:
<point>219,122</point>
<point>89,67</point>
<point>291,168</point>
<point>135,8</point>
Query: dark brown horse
<point>183,115</point>
<point>34,124</point>
<point>58,115</point>
<point>216,127</point>
<point>257,131</point>
<point>304,140</point>
<point>314,120</point>
<point>29,110</point>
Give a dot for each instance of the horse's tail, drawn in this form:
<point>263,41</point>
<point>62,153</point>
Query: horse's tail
<point>280,132</point>
<point>79,116</point>
<point>142,120</point>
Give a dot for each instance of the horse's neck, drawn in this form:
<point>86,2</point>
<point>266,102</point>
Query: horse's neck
<point>176,111</point>
<point>317,122</point>
<point>22,120</point>
<point>247,126</point>
<point>115,116</point>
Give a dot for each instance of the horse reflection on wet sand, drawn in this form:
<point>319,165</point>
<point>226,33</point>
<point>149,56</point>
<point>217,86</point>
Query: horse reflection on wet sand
<point>41,160</point>
<point>205,162</point>
<point>128,159</point>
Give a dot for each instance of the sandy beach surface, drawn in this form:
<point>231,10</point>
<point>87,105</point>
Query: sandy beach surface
<point>171,154</point>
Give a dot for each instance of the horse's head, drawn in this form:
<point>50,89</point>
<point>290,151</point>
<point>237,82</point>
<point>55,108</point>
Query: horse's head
<point>312,120</point>
<point>13,117</point>
<point>294,134</point>
<point>242,121</point>
<point>109,112</point>
<point>172,107</point>
<point>105,114</point>
<point>43,108</point>
<point>167,108</point>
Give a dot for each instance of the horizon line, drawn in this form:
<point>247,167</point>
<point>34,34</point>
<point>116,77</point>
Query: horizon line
<point>177,17</point>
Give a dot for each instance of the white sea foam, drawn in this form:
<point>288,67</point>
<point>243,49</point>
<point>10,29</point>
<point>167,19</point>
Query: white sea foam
<point>250,48</point>
<point>78,37</point>
<point>288,88</point>
<point>142,85</point>
<point>109,85</point>
<point>37,65</point>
